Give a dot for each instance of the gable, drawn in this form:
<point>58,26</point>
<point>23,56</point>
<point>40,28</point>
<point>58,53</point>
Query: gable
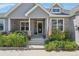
<point>38,12</point>
<point>21,10</point>
<point>56,5</point>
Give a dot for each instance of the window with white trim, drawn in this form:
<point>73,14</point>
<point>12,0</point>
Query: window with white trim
<point>54,24</point>
<point>55,10</point>
<point>2,25</point>
<point>24,25</point>
<point>58,24</point>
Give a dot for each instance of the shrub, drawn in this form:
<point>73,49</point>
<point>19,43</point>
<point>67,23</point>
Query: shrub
<point>54,45</point>
<point>67,35</point>
<point>59,45</point>
<point>2,41</point>
<point>70,45</point>
<point>17,39</point>
<point>50,46</point>
<point>57,35</point>
<point>13,40</point>
<point>60,40</point>
<point>47,41</point>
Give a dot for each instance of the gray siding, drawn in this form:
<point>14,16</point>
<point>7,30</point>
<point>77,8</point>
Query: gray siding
<point>21,10</point>
<point>38,13</point>
<point>76,25</point>
<point>15,24</point>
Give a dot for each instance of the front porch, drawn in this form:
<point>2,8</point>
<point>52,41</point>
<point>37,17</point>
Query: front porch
<point>37,28</point>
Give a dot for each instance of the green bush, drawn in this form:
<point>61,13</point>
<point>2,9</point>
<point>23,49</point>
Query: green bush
<point>2,40</point>
<point>70,45</point>
<point>57,35</point>
<point>50,46</point>
<point>59,45</point>
<point>13,40</point>
<point>54,45</point>
<point>60,40</point>
<point>60,36</point>
<point>17,39</point>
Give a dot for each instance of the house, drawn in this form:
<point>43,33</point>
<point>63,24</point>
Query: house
<point>38,21</point>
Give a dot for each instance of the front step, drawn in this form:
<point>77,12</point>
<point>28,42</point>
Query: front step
<point>36,47</point>
<point>36,41</point>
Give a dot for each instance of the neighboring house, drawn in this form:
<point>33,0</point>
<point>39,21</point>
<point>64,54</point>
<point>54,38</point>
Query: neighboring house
<point>40,21</point>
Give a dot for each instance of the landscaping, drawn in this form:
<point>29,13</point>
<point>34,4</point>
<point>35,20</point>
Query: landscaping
<point>14,39</point>
<point>60,41</point>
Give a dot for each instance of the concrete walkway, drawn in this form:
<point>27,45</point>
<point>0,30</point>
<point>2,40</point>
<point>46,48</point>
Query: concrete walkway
<point>37,53</point>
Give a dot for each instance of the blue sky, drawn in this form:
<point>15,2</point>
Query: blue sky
<point>67,6</point>
<point>6,7</point>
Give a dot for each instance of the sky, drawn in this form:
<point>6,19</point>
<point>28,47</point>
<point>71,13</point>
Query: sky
<point>6,7</point>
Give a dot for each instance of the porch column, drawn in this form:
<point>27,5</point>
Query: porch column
<point>9,24</point>
<point>50,26</point>
<point>47,26</point>
<point>29,24</point>
<point>29,32</point>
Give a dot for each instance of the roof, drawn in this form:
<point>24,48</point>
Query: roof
<point>7,13</point>
<point>64,12</point>
<point>37,5</point>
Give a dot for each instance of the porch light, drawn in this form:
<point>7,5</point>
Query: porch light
<point>77,27</point>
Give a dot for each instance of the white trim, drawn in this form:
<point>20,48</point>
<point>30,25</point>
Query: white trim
<point>29,25</point>
<point>4,24</point>
<point>37,17</point>
<point>15,7</point>
<point>3,20</point>
<point>51,15</point>
<point>56,8</point>
<point>26,14</point>
<point>9,24</point>
<point>47,25</point>
<point>24,22</point>
<point>37,26</point>
<point>30,10</point>
<point>63,25</point>
<point>57,22</point>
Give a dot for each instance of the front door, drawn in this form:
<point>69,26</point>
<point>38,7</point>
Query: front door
<point>39,27</point>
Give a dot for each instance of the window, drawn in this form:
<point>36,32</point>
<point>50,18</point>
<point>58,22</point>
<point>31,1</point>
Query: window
<point>24,25</point>
<point>1,24</point>
<point>54,24</point>
<point>60,24</point>
<point>56,10</point>
<point>57,24</point>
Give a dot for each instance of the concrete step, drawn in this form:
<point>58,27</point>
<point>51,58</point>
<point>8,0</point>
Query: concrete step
<point>33,47</point>
<point>36,42</point>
